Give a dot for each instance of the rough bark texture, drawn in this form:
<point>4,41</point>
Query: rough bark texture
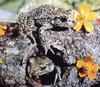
<point>67,45</point>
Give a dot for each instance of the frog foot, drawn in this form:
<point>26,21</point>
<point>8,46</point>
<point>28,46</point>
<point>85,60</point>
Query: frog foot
<point>58,75</point>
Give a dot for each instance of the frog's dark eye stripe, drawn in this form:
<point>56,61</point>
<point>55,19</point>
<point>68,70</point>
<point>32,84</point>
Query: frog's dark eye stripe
<point>63,19</point>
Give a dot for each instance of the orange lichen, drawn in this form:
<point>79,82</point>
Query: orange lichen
<point>89,68</point>
<point>2,29</point>
<point>85,17</point>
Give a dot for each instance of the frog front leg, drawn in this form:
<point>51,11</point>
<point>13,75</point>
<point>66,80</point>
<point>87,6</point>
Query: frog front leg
<point>58,74</point>
<point>59,46</point>
<point>42,30</point>
<point>56,45</point>
<point>47,47</point>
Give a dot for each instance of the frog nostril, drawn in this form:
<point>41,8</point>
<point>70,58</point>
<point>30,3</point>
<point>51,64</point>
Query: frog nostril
<point>63,19</point>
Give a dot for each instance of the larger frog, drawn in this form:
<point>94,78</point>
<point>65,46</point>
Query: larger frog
<point>30,17</point>
<point>43,18</point>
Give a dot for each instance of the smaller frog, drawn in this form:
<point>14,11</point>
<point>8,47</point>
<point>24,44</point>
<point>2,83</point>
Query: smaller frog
<point>39,66</point>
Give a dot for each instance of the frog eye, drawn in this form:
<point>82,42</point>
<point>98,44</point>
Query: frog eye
<point>43,66</point>
<point>31,60</point>
<point>71,22</point>
<point>70,12</point>
<point>63,19</point>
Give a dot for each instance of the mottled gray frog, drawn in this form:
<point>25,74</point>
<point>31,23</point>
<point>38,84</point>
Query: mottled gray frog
<point>39,66</point>
<point>38,17</point>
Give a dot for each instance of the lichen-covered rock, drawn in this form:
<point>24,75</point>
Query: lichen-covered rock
<point>71,79</point>
<point>13,51</point>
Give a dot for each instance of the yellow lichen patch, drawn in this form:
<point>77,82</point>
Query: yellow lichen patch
<point>89,67</point>
<point>85,17</point>
<point>1,61</point>
<point>2,29</point>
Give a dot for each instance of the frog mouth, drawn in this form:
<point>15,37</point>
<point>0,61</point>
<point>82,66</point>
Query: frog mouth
<point>47,69</point>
